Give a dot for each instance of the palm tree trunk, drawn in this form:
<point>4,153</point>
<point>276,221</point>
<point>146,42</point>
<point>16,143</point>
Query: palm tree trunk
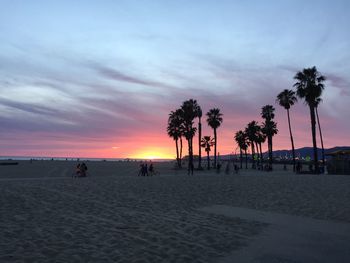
<point>199,144</point>
<point>291,140</point>
<point>257,151</point>
<point>319,128</point>
<point>241,156</point>
<point>180,151</point>
<point>215,144</point>
<point>208,160</point>
<point>246,159</point>
<point>271,151</point>
<point>261,155</point>
<point>189,156</point>
<point>313,132</point>
<point>253,153</point>
<point>177,152</point>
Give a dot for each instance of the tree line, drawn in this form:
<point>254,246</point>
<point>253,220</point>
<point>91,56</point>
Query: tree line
<point>181,125</point>
<point>309,87</point>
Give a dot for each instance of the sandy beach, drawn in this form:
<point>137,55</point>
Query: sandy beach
<point>113,215</point>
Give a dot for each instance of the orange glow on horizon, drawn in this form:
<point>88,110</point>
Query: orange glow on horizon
<point>152,153</point>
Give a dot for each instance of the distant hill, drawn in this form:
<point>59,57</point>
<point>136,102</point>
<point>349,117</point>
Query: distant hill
<point>307,151</point>
<point>300,152</point>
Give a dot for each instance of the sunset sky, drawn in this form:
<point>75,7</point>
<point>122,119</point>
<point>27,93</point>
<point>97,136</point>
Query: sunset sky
<point>99,78</point>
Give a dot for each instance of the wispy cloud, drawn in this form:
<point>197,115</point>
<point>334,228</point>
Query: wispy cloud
<point>340,83</point>
<point>117,75</point>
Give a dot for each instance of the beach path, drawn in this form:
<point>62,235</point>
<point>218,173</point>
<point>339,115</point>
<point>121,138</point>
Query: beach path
<point>289,238</point>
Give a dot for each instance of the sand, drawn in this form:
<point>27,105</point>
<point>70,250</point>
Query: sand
<point>115,216</point>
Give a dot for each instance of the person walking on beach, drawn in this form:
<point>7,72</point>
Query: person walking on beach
<point>190,169</point>
<point>145,169</point>
<point>151,169</point>
<point>83,169</point>
<point>236,168</point>
<point>77,171</point>
<point>141,171</point>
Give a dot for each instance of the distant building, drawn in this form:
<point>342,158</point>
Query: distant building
<point>340,162</point>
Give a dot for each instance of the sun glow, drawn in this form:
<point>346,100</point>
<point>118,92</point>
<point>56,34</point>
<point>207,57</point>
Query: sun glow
<point>152,154</point>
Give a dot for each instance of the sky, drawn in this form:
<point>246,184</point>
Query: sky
<point>98,78</point>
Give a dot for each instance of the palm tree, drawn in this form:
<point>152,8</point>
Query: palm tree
<point>189,113</point>
<point>286,99</point>
<point>245,146</point>
<point>199,115</point>
<point>309,87</point>
<point>174,131</point>
<point>242,142</point>
<point>260,139</point>
<point>207,143</point>
<point>269,128</point>
<point>319,100</point>
<point>214,119</point>
<point>239,138</point>
<point>251,131</point>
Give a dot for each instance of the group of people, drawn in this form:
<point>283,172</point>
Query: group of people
<point>80,170</point>
<point>146,170</point>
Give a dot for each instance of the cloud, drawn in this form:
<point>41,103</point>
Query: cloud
<point>29,108</point>
<point>117,75</point>
<point>340,83</point>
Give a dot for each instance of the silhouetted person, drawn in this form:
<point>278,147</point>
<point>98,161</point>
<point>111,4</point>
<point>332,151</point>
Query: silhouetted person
<point>190,168</point>
<point>151,169</point>
<point>77,170</point>
<point>141,171</point>
<point>236,169</point>
<point>83,169</point>
<point>145,170</point>
<point>218,167</point>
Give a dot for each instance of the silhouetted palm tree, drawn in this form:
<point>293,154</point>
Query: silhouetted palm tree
<point>199,115</point>
<point>286,99</point>
<point>242,142</point>
<point>189,111</point>
<point>260,139</point>
<point>267,112</point>
<point>251,131</point>
<point>207,143</point>
<point>269,128</point>
<point>174,131</point>
<point>309,87</point>
<point>319,100</point>
<point>214,120</point>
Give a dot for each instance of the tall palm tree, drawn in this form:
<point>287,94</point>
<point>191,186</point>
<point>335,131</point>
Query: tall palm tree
<point>214,120</point>
<point>189,113</point>
<point>239,138</point>
<point>319,100</point>
<point>267,112</point>
<point>260,139</point>
<point>242,142</point>
<point>251,131</point>
<point>174,131</point>
<point>199,115</point>
<point>269,128</point>
<point>286,99</point>
<point>245,146</point>
<point>207,143</point>
<point>309,87</point>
